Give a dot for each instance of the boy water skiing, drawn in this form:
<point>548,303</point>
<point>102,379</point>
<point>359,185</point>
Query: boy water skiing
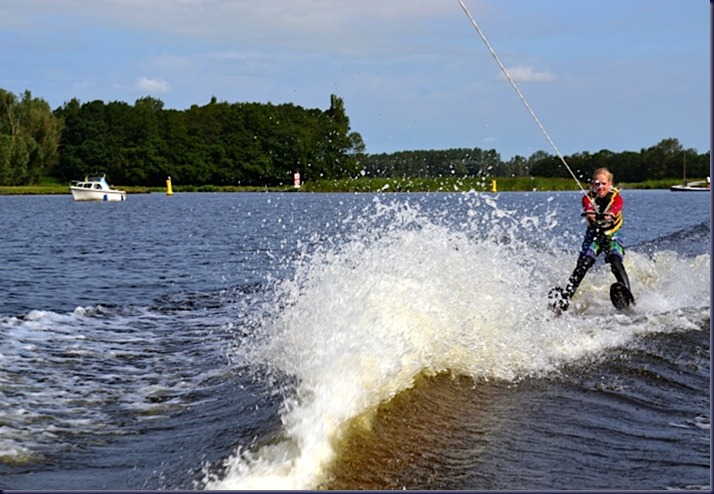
<point>603,210</point>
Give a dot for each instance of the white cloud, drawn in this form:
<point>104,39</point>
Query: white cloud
<point>400,65</point>
<point>152,86</point>
<point>528,74</point>
<point>320,25</point>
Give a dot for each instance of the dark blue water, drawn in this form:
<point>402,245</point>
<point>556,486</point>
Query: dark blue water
<point>349,341</point>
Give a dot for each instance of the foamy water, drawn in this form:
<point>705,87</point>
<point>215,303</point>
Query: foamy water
<point>349,342</point>
<point>405,294</point>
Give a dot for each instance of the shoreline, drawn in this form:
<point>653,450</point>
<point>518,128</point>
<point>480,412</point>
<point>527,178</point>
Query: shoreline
<point>367,185</point>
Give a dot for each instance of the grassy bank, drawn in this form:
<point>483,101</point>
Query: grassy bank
<point>502,184</point>
<point>50,186</point>
<point>450,184</point>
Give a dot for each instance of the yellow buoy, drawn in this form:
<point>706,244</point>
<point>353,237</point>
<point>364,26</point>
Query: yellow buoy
<point>169,190</point>
<point>493,186</point>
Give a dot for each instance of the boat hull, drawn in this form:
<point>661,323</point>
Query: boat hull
<point>688,188</point>
<point>81,194</point>
<point>695,186</point>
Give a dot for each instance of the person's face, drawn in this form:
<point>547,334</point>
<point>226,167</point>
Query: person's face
<point>601,185</point>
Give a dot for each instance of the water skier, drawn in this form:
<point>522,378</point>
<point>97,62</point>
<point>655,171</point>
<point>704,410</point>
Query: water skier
<point>603,209</point>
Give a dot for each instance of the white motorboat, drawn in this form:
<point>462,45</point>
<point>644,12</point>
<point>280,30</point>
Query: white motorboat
<point>95,189</point>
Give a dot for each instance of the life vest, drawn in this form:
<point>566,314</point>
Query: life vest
<point>611,203</point>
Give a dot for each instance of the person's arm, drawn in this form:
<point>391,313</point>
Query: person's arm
<point>589,211</point>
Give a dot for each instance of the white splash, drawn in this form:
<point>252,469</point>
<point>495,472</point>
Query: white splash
<point>405,295</point>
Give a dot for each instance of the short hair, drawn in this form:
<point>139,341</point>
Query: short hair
<point>604,171</point>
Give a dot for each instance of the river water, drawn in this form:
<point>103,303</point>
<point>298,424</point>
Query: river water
<point>350,341</point>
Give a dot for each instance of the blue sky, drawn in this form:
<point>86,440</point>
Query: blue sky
<point>414,74</point>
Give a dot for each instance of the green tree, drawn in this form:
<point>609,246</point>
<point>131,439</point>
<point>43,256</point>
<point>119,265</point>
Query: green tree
<point>29,139</point>
<point>143,146</point>
<point>663,159</point>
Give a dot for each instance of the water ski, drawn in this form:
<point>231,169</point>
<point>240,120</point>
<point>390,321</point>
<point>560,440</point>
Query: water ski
<point>620,296</point>
<point>557,300</point>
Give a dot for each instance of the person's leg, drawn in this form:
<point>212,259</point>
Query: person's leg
<point>618,269</point>
<point>559,297</point>
<point>584,263</point>
<point>588,252</point>
<point>614,257</point>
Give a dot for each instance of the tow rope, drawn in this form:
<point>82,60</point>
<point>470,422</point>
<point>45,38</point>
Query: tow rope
<point>520,95</point>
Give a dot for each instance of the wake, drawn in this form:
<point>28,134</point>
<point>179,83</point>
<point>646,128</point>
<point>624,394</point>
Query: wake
<point>403,294</point>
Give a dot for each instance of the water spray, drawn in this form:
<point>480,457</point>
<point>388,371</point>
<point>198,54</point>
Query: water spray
<point>520,95</point>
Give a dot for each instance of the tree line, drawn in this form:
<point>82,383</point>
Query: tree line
<point>260,144</point>
<point>665,160</point>
<point>219,144</point>
<point>216,144</point>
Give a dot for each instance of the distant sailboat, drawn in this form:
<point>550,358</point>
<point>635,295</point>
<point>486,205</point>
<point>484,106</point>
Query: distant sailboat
<point>698,186</point>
